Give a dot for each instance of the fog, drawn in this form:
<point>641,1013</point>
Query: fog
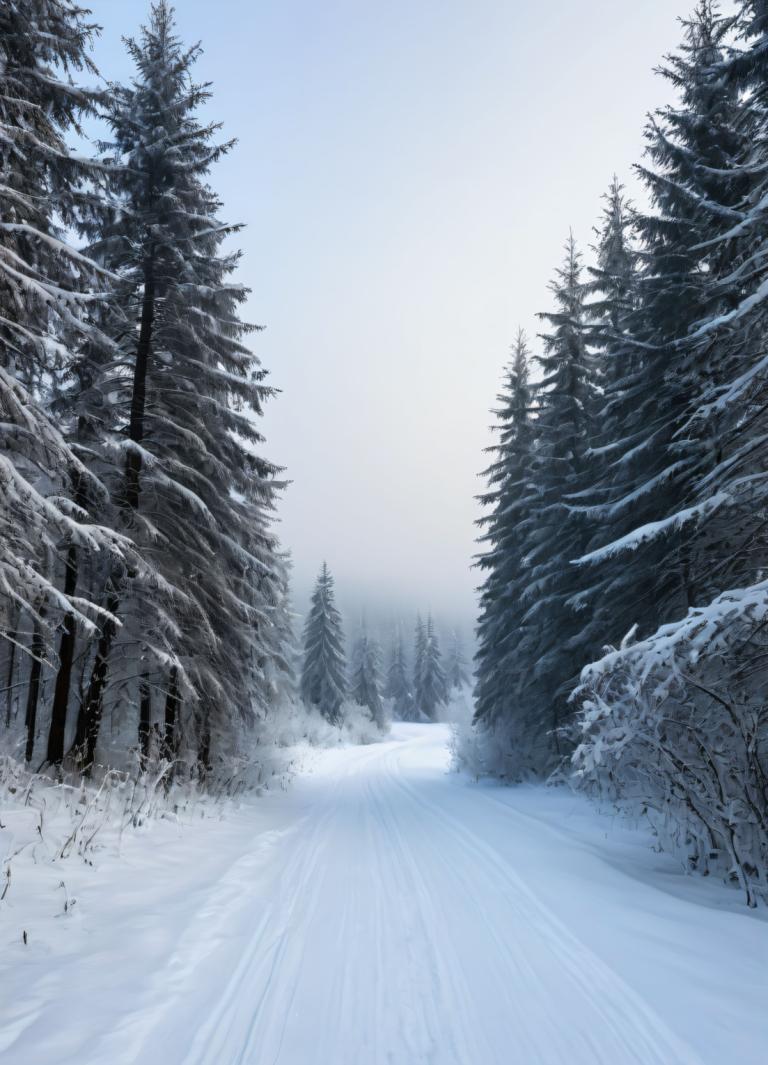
<point>408,173</point>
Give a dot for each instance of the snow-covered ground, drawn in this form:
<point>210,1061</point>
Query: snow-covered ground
<point>384,911</point>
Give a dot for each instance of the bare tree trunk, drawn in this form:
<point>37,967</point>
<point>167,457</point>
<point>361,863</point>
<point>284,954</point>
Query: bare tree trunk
<point>60,705</point>
<point>204,744</point>
<point>92,709</point>
<point>145,720</point>
<point>11,670</point>
<point>172,703</point>
<point>37,649</point>
<point>139,393</point>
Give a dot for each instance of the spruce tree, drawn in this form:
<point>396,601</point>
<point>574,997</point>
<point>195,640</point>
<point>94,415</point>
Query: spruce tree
<point>181,397</point>
<point>48,287</point>
<point>323,683</point>
<point>549,647</point>
<point>398,687</point>
<point>456,670</point>
<point>503,537</point>
<point>659,525</point>
<point>419,650</point>
<point>433,688</point>
<point>364,681</point>
<point>616,600</point>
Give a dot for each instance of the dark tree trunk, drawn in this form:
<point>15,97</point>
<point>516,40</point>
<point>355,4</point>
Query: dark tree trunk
<point>145,721</point>
<point>11,670</point>
<point>92,709</point>
<point>33,691</point>
<point>139,393</point>
<point>91,712</point>
<point>58,727</point>
<point>204,744</point>
<point>171,716</point>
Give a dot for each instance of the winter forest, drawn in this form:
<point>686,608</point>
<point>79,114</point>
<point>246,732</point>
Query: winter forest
<point>255,776</point>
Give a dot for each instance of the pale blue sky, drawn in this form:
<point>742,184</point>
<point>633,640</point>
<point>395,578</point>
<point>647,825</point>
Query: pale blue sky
<point>408,172</point>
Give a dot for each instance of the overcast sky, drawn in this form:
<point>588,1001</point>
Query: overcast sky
<point>408,171</point>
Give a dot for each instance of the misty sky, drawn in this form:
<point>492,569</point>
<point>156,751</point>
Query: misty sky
<point>408,172</point>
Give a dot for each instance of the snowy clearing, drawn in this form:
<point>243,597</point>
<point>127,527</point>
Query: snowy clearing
<point>384,911</point>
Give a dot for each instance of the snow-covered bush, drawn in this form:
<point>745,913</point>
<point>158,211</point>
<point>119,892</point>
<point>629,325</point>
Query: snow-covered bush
<point>480,750</point>
<point>675,727</point>
<point>295,723</point>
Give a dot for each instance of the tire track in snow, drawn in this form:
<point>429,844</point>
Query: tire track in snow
<point>638,1033</point>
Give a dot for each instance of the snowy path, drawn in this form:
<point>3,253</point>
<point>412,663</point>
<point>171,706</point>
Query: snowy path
<point>410,917</point>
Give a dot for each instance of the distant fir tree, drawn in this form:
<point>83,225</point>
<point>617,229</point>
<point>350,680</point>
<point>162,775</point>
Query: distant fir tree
<point>432,692</point>
<point>456,668</point>
<point>181,397</point>
<point>419,650</point>
<point>364,682</point>
<point>323,677</point>
<point>506,503</point>
<point>398,686</point>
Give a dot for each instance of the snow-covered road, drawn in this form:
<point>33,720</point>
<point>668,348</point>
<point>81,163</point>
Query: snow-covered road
<point>403,915</point>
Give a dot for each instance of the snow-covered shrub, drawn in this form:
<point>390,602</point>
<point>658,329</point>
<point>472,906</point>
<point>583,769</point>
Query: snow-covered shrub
<point>295,723</point>
<point>499,750</point>
<point>675,727</point>
<point>482,750</point>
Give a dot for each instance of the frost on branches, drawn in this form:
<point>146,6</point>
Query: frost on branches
<point>676,727</point>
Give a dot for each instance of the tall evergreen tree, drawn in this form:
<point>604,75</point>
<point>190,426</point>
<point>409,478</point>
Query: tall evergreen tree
<point>364,682</point>
<point>503,537</point>
<point>432,691</point>
<point>47,287</point>
<point>323,678</point>
<point>612,468</point>
<point>550,643</point>
<point>658,526</point>
<point>419,650</point>
<point>456,670</point>
<point>181,398</point>
<point>398,687</point>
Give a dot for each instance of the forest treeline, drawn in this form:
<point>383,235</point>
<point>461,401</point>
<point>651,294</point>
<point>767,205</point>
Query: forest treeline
<point>623,633</point>
<point>144,607</point>
<point>416,684</point>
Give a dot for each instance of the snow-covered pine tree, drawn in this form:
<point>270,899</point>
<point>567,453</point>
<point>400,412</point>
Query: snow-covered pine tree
<point>46,193</point>
<point>657,527</point>
<point>456,668</point>
<point>398,687</point>
<point>727,430</point>
<point>507,500</point>
<point>433,688</point>
<point>674,724</point>
<point>323,677</point>
<point>616,601</point>
<point>364,681</point>
<point>183,394</point>
<point>552,639</point>
<point>419,648</point>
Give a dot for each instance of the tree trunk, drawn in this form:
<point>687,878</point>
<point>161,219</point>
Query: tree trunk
<point>139,393</point>
<point>204,744</point>
<point>145,721</point>
<point>171,716</point>
<point>11,670</point>
<point>91,712</point>
<point>57,731</point>
<point>33,690</point>
<point>92,709</point>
